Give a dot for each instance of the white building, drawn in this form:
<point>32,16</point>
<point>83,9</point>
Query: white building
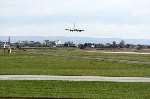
<point>59,43</point>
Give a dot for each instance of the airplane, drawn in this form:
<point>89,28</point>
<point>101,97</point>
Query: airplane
<point>74,29</point>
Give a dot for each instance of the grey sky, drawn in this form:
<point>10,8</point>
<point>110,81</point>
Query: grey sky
<point>100,18</point>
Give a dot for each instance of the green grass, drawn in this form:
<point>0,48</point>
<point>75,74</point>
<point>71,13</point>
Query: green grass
<point>73,62</point>
<point>65,89</point>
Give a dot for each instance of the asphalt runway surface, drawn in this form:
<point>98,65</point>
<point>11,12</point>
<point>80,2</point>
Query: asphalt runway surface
<point>74,78</point>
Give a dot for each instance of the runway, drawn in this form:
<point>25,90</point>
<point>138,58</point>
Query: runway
<point>74,78</point>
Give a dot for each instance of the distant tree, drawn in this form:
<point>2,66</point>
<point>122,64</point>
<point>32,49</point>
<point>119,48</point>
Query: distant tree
<point>85,45</point>
<point>128,45</point>
<point>52,43</point>
<point>90,45</point>
<point>139,47</point>
<point>114,44</point>
<point>108,45</point>
<point>18,46</point>
<point>66,44</point>
<point>46,43</point>
<point>37,44</point>
<point>99,45</point>
<point>69,44</point>
<point>122,44</point>
<point>81,46</point>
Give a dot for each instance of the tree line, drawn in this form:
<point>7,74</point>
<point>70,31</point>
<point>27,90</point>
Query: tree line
<point>48,43</point>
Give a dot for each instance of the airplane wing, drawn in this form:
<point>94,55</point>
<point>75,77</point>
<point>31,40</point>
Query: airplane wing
<point>81,30</point>
<point>66,29</point>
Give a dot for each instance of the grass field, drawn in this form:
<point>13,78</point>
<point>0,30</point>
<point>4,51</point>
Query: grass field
<point>63,89</point>
<point>73,62</point>
<point>69,61</point>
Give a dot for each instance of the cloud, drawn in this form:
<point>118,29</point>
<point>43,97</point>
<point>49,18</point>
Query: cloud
<point>50,7</point>
<point>110,18</point>
<point>74,7</point>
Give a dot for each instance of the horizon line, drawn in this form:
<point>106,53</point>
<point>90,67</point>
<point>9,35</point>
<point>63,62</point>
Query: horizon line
<point>69,36</point>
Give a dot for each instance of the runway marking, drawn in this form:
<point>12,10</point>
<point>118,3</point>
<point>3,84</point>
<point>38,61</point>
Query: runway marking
<point>74,78</point>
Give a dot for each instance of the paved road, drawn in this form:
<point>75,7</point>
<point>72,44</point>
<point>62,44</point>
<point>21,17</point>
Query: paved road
<point>74,78</point>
